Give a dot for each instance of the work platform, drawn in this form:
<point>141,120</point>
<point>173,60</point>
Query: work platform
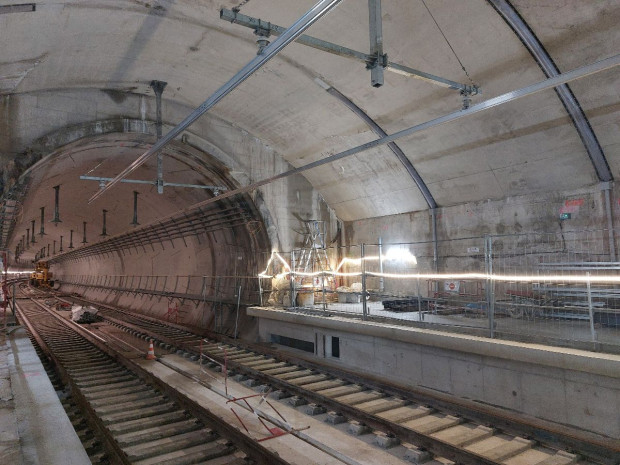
<point>567,386</point>
<point>34,428</point>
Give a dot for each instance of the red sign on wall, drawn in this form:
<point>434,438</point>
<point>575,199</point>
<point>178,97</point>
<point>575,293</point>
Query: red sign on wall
<point>574,203</point>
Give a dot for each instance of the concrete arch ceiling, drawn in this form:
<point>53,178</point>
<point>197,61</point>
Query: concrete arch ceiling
<point>223,224</point>
<point>526,146</point>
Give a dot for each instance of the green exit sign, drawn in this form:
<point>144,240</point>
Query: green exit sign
<point>565,216</point>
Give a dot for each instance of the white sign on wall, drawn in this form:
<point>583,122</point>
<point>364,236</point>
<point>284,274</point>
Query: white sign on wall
<point>451,286</point>
<point>473,249</point>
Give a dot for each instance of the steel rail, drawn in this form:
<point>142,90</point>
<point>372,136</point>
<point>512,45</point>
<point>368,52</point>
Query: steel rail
<point>577,73</point>
<point>256,451</point>
<point>434,445</point>
<point>510,15</point>
<point>303,23</point>
<point>548,433</point>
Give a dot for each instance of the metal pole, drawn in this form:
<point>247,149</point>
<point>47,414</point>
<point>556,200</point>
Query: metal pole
<point>71,238</point>
<point>61,249</point>
<point>13,298</point>
<point>135,208</point>
<point>237,317</point>
<point>606,186</point>
<point>303,23</point>
<point>28,237</point>
<point>42,232</point>
<point>33,234</point>
<point>364,303</point>
<point>590,309</point>
<point>376,42</point>
<point>381,279</point>
<point>158,88</point>
<point>104,231</point>
<point>490,284</point>
<point>420,314</point>
<point>84,241</point>
<point>293,294</point>
<point>54,249</point>
<point>56,218</point>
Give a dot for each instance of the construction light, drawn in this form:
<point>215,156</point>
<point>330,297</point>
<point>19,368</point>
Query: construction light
<point>399,254</point>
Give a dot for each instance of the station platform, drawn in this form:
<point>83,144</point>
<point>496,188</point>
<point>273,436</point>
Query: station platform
<point>34,428</point>
<point>565,386</point>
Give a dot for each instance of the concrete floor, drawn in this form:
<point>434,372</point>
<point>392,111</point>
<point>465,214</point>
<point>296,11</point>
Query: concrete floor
<point>34,428</point>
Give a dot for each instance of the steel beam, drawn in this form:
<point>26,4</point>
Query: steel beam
<point>154,183</point>
<point>335,49</point>
<point>566,96</point>
<point>381,133</point>
<point>303,23</point>
<point>549,83</point>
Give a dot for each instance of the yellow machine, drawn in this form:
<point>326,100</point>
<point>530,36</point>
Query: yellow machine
<point>42,276</point>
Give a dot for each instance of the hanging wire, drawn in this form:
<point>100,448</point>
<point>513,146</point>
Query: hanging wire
<point>448,42</point>
<point>237,8</point>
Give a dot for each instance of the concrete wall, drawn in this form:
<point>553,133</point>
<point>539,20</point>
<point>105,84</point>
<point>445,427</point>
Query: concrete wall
<point>572,387</point>
<point>513,215</point>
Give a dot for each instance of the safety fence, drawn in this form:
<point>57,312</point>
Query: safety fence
<point>557,288</point>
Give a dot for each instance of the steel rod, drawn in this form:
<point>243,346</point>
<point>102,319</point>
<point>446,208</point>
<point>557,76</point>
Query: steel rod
<point>577,73</point>
<point>154,183</point>
<point>303,23</point>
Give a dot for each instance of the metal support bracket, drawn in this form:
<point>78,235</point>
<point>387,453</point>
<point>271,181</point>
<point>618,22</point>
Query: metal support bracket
<point>335,49</point>
<point>56,218</point>
<point>308,19</point>
<point>158,88</point>
<point>216,189</point>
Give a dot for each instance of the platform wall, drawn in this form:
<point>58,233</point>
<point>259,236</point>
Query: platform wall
<point>567,386</point>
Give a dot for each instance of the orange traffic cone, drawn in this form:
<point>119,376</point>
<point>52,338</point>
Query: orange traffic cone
<point>151,353</point>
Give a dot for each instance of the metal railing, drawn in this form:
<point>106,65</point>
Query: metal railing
<point>555,288</point>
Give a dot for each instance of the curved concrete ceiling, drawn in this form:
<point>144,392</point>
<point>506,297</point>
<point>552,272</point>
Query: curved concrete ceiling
<point>236,224</point>
<point>74,62</point>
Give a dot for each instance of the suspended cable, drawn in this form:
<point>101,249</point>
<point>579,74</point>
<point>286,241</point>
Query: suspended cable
<point>448,42</point>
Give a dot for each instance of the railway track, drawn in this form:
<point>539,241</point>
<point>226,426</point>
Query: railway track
<point>139,423</point>
<point>435,428</point>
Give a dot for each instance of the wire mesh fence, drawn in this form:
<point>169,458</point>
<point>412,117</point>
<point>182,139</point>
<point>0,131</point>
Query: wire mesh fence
<point>558,288</point>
